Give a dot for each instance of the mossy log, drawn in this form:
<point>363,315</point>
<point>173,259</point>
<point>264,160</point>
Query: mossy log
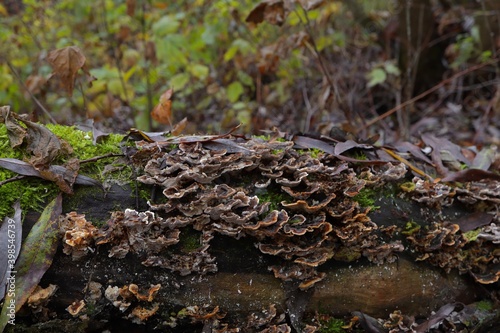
<point>243,283</point>
<point>237,231</point>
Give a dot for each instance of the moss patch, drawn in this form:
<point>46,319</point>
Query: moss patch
<point>34,192</point>
<point>189,240</point>
<point>275,197</point>
<point>332,325</point>
<point>471,235</point>
<point>411,227</point>
<point>366,198</point>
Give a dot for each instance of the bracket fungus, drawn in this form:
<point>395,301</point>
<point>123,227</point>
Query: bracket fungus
<point>294,206</point>
<point>296,210</point>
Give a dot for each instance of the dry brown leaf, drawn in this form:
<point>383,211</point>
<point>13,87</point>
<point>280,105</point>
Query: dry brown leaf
<point>162,112</point>
<point>179,127</point>
<point>130,7</point>
<point>66,62</point>
<point>35,84</point>
<point>150,52</point>
<point>272,11</point>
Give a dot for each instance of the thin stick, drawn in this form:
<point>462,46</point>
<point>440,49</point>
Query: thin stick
<point>427,92</point>
<point>37,102</point>
<point>13,179</point>
<point>93,159</point>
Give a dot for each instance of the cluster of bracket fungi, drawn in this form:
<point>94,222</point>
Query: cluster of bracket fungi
<point>470,245</point>
<point>291,204</point>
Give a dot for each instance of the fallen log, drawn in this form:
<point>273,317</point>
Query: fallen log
<point>239,232</point>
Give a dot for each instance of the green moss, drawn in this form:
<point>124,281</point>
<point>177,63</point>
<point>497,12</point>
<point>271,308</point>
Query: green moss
<point>408,186</point>
<point>484,305</point>
<point>262,137</point>
<point>366,198</point>
<point>411,227</point>
<point>333,325</point>
<point>276,151</point>
<point>34,192</point>
<point>471,235</point>
<point>84,148</point>
<point>275,197</point>
<point>359,155</point>
<point>315,153</point>
<point>189,240</point>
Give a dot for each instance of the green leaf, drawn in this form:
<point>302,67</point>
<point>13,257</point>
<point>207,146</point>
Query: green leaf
<point>376,76</point>
<point>166,25</point>
<point>391,68</point>
<point>199,71</point>
<point>234,91</point>
<point>246,79</point>
<point>36,257</point>
<point>238,45</point>
<point>179,81</point>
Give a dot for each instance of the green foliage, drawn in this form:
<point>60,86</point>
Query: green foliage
<point>468,47</point>
<point>381,72</point>
<point>333,325</point>
<point>204,50</point>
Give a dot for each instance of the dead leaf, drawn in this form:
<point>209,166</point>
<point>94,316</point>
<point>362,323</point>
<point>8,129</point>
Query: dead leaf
<point>436,318</point>
<point>179,127</point>
<point>473,221</point>
<point>407,147</point>
<point>150,52</point>
<point>27,169</point>
<point>470,175</point>
<point>311,143</point>
<point>350,144</point>
<point>441,146</point>
<point>130,7</point>
<point>15,132</point>
<point>10,244</point>
<point>89,126</point>
<point>66,62</point>
<point>35,258</point>
<point>405,162</point>
<point>162,112</point>
<point>484,158</point>
<point>369,324</point>
<point>44,145</point>
<point>35,84</point>
<point>272,11</point>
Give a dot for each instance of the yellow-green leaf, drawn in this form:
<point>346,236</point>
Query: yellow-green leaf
<point>234,91</point>
<point>35,258</point>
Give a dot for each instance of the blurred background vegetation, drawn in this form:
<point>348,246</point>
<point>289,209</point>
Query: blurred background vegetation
<point>309,66</point>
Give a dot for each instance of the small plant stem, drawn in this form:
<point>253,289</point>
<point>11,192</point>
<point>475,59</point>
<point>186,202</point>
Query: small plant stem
<point>37,102</point>
<point>149,90</point>
<point>13,179</point>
